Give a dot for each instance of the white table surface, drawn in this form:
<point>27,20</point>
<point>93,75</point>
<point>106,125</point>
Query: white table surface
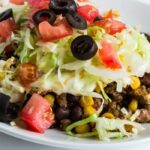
<point>11,143</point>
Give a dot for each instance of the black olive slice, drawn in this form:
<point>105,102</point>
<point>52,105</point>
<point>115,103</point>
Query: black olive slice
<point>8,111</point>
<point>84,47</point>
<point>63,6</point>
<point>44,14</point>
<point>6,15</point>
<point>4,103</point>
<point>76,21</point>
<point>147,36</point>
<point>97,19</point>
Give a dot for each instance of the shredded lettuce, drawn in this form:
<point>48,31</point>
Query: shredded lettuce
<point>46,61</point>
<point>106,129</point>
<point>96,32</point>
<point>24,38</point>
<point>3,45</point>
<point>69,129</point>
<point>116,128</point>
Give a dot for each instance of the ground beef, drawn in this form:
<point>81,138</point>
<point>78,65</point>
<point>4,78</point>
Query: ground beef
<point>145,80</point>
<point>144,116</point>
<point>115,109</point>
<point>142,95</point>
<point>98,103</point>
<point>110,89</point>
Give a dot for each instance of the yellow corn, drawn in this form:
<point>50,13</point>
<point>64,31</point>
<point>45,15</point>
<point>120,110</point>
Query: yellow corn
<point>2,75</point>
<point>89,110</point>
<point>82,129</point>
<point>9,62</point>
<point>86,101</point>
<point>108,115</point>
<point>50,98</point>
<point>133,105</point>
<point>135,83</point>
<point>128,128</point>
<point>97,89</point>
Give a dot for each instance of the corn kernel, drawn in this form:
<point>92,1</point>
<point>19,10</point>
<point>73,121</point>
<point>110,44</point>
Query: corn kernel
<point>50,98</point>
<point>133,105</point>
<point>9,62</point>
<point>135,83</point>
<point>128,128</point>
<point>108,115</point>
<point>86,101</point>
<point>89,110</point>
<point>97,89</point>
<point>2,75</point>
<point>82,129</point>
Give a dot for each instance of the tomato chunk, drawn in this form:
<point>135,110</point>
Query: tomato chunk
<point>111,26</point>
<point>28,73</point>
<point>88,12</point>
<point>6,29</point>
<point>38,114</point>
<point>39,4</point>
<point>17,2</point>
<point>108,56</point>
<point>51,33</point>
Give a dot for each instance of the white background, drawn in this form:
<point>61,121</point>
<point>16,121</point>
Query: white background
<point>11,143</point>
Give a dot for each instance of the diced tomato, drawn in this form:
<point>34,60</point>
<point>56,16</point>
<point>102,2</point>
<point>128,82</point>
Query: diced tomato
<point>17,2</point>
<point>38,114</point>
<point>88,12</point>
<point>51,33</point>
<point>39,4</point>
<point>109,14</point>
<point>108,56</point>
<point>6,28</point>
<point>27,73</point>
<point>111,26</point>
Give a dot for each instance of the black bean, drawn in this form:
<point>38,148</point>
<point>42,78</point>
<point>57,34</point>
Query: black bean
<point>84,47</point>
<point>76,21</point>
<point>62,113</point>
<point>63,6</point>
<point>13,109</point>
<point>72,100</point>
<point>62,100</point>
<point>44,14</point>
<point>76,113</point>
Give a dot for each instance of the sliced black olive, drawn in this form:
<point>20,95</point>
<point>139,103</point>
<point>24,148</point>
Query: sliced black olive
<point>147,36</point>
<point>4,103</point>
<point>8,111</point>
<point>6,14</point>
<point>97,19</point>
<point>76,21</point>
<point>63,6</point>
<point>44,14</point>
<point>84,47</point>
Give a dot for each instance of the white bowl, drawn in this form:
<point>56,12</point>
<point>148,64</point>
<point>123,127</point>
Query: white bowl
<point>133,13</point>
